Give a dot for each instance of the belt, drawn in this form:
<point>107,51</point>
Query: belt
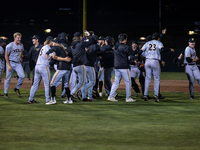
<point>14,61</point>
<point>191,64</point>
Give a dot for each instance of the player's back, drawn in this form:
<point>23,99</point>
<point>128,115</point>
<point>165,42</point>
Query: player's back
<point>42,60</point>
<point>152,49</point>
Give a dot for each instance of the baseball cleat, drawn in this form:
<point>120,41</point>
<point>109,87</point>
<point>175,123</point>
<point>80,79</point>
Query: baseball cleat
<point>112,99</point>
<point>50,102</point>
<point>92,99</point>
<point>160,96</point>
<point>86,100</point>
<point>5,95</point>
<point>191,97</point>
<point>145,98</point>
<point>17,91</point>
<point>136,94</point>
<point>130,100</point>
<point>100,94</point>
<point>32,102</point>
<point>68,101</point>
<point>156,98</point>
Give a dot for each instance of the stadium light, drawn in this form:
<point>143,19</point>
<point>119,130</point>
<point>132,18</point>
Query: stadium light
<point>47,30</point>
<point>191,33</point>
<point>142,38</point>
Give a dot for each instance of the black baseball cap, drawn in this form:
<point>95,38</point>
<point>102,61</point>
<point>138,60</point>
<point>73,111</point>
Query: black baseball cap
<point>101,38</point>
<point>149,38</point>
<point>62,35</point>
<point>2,40</point>
<point>191,40</point>
<point>56,40</point>
<point>155,36</point>
<point>109,39</point>
<point>36,37</point>
<point>77,34</point>
<point>49,38</point>
<point>134,42</point>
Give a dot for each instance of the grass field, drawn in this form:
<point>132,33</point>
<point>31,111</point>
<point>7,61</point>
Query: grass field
<point>164,75</point>
<point>172,124</point>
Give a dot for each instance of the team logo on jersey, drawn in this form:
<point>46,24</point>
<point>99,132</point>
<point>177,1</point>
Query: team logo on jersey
<point>37,49</point>
<point>17,50</point>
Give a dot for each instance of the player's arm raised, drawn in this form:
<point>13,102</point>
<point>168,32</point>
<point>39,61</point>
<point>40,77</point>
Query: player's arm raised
<point>67,59</point>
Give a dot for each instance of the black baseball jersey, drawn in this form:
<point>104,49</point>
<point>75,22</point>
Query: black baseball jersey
<point>61,65</point>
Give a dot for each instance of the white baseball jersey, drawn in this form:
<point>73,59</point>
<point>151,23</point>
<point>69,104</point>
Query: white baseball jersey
<point>2,60</point>
<point>14,51</point>
<point>152,49</point>
<point>191,53</point>
<point>42,60</point>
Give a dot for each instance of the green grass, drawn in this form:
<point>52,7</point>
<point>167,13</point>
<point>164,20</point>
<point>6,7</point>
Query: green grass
<point>100,125</point>
<point>164,75</point>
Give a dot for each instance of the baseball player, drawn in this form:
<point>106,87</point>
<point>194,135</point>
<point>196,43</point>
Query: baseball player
<point>152,51</point>
<point>121,65</point>
<point>13,57</point>
<point>63,70</point>
<point>79,61</point>
<point>191,68</point>
<point>90,79</point>
<point>42,71</point>
<point>2,59</point>
<point>34,52</point>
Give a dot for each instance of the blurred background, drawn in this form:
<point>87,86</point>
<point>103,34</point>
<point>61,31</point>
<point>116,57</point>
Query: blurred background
<point>136,18</point>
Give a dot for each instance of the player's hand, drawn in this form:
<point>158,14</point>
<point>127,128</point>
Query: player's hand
<point>163,63</point>
<point>68,59</point>
<point>87,33</point>
<point>196,59</point>
<point>9,68</point>
<point>86,49</point>
<point>172,50</point>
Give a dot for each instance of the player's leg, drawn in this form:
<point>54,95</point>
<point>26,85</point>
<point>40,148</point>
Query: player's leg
<point>35,85</point>
<point>91,77</point>
<point>148,76</point>
<point>80,71</point>
<point>20,73</point>
<point>156,73</point>
<point>101,77</point>
<point>46,77</point>
<point>65,79</point>
<point>196,73</point>
<point>126,76</point>
<point>107,79</point>
<point>134,73</point>
<point>115,85</point>
<point>189,73</point>
<point>142,81</point>
<point>8,78</point>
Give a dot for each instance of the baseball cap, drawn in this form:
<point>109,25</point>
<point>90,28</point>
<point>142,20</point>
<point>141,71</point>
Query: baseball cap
<point>36,37</point>
<point>108,38</point>
<point>101,38</point>
<point>149,38</point>
<point>191,40</point>
<point>155,36</point>
<point>134,42</point>
<point>49,38</point>
<point>62,35</point>
<point>77,34</point>
<point>2,40</point>
<point>56,40</point>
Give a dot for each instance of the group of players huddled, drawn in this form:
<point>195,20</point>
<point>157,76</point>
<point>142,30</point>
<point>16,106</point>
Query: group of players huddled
<point>88,62</point>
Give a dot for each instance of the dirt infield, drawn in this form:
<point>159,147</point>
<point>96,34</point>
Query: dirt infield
<point>165,85</point>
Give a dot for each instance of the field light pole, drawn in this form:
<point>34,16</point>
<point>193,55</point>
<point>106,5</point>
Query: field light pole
<point>84,16</point>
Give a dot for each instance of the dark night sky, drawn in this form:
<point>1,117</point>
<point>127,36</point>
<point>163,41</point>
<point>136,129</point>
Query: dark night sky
<point>35,16</point>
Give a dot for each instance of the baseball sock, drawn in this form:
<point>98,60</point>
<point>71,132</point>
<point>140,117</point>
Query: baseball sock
<point>67,90</point>
<point>53,91</point>
<point>100,86</point>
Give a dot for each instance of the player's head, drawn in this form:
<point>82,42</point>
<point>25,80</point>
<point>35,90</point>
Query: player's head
<point>101,40</point>
<point>134,45</point>
<point>17,37</point>
<point>122,38</point>
<point>77,37</point>
<point>63,37</point>
<point>109,41</point>
<point>35,39</point>
<point>156,36</point>
<point>148,38</point>
<point>49,41</point>
<point>191,42</point>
